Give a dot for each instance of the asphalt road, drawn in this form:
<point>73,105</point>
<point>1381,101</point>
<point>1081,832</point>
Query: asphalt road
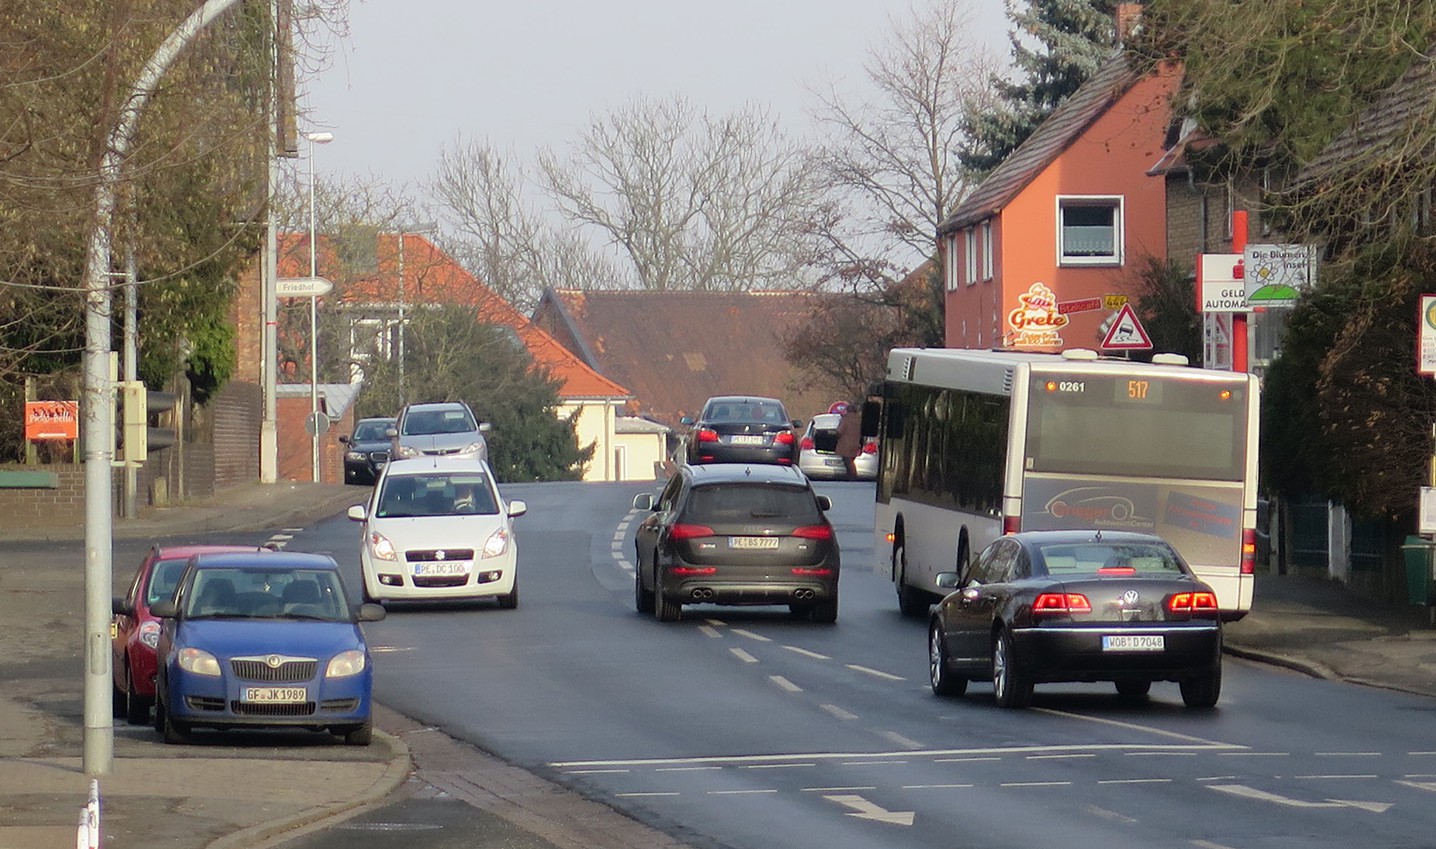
<point>743,728</point>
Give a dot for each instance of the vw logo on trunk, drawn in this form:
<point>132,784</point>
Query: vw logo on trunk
<point>1130,597</point>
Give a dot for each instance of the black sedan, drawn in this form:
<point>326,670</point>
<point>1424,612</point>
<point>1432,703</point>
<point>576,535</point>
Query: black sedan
<point>736,534</point>
<point>1048,606</point>
<point>742,429</point>
<point>366,450</point>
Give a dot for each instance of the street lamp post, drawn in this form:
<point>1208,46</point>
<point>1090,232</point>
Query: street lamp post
<point>314,138</point>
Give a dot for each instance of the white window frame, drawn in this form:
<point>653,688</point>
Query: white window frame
<point>987,250</point>
<point>969,256</point>
<point>950,271</point>
<point>1118,205</point>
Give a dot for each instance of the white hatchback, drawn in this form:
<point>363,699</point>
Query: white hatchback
<point>437,528</point>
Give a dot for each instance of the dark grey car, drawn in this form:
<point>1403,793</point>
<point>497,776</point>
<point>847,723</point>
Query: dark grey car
<point>366,450</point>
<point>742,429</point>
<point>730,533</point>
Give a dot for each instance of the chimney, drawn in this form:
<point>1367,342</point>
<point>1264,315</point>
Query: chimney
<point>1129,16</point>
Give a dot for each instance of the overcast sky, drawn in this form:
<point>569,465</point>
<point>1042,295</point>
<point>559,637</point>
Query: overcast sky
<point>415,74</point>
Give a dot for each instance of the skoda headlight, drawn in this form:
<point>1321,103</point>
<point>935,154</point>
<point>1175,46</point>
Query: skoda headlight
<point>199,662</point>
<point>345,663</point>
<point>381,547</point>
<point>497,543</point>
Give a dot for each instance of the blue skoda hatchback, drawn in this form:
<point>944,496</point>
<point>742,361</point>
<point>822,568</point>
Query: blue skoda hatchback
<point>262,640</point>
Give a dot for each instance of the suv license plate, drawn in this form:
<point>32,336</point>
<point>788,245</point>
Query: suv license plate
<point>1133,642</point>
<point>276,695</point>
<point>753,542</point>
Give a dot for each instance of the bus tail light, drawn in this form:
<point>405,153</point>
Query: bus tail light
<point>1249,551</point>
<point>1061,603</point>
<point>1011,524</point>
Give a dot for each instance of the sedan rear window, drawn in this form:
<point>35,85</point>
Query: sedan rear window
<point>1092,558</point>
<point>745,502</point>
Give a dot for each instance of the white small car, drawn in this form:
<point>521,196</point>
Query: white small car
<point>437,528</point>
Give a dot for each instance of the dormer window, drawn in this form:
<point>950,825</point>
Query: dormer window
<point>1089,230</point>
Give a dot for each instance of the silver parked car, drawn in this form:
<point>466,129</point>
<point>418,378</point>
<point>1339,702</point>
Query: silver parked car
<point>817,452</point>
<point>443,429</point>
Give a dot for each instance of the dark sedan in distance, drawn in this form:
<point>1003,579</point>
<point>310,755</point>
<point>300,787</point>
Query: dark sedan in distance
<point>732,533</point>
<point>366,450</point>
<point>1050,606</point>
<point>742,429</point>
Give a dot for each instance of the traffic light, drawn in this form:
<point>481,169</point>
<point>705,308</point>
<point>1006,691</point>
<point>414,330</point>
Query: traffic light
<point>138,436</point>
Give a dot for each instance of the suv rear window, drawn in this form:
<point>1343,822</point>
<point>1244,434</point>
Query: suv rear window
<point>744,502</point>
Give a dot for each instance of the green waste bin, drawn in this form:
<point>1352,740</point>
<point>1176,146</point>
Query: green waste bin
<point>1420,570</point>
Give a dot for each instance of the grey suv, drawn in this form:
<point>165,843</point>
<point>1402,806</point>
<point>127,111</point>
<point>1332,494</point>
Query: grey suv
<point>444,429</point>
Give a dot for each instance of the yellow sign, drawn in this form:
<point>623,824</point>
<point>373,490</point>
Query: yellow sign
<point>1036,321</point>
<point>1113,302</point>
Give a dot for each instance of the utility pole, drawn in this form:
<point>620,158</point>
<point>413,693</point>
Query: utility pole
<point>99,394</point>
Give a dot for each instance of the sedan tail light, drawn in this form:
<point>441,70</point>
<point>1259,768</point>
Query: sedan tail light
<point>814,532</point>
<point>707,435</point>
<point>1198,602</point>
<point>685,531</point>
<point>1061,603</point>
<point>784,438</point>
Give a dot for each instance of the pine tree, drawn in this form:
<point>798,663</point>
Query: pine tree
<point>1056,45</point>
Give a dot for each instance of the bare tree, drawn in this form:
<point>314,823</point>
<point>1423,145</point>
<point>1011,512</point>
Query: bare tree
<point>501,238</point>
<point>689,200</point>
<point>892,160</point>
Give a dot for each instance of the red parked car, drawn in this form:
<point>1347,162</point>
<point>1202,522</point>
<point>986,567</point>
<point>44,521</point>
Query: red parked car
<point>134,632</point>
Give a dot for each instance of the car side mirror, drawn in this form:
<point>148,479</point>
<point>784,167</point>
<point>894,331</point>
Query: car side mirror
<point>686,421</point>
<point>643,501</point>
<point>165,609</point>
<point>517,509</point>
<point>357,513</point>
<point>797,424</point>
<point>391,432</point>
<point>485,427</point>
<point>121,605</point>
<point>825,503</point>
<point>344,438</point>
<point>947,580</point>
<point>370,612</point>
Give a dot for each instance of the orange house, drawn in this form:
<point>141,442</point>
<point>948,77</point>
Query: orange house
<point>1045,251</point>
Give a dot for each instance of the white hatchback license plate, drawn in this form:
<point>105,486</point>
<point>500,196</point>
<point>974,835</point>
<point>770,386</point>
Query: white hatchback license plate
<point>1133,642</point>
<point>745,439</point>
<point>276,695</point>
<point>753,542</point>
<point>435,569</point>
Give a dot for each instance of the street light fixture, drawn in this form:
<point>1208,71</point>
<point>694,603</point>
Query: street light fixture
<point>314,138</point>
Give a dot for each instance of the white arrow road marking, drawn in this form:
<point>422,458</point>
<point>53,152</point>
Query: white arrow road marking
<point>1420,785</point>
<point>1264,796</point>
<point>863,809</point>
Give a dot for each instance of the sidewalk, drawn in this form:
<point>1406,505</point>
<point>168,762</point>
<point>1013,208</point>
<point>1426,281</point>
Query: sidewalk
<point>220,796</point>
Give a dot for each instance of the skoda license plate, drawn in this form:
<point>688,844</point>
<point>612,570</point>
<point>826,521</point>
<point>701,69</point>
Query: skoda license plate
<point>1133,642</point>
<point>276,695</point>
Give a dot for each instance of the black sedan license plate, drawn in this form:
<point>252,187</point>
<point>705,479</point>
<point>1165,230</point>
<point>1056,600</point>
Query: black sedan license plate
<point>1133,642</point>
<point>276,695</point>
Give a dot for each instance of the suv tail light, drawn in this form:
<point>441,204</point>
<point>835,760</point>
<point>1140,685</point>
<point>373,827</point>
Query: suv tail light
<point>1061,603</point>
<point>814,532</point>
<point>685,531</point>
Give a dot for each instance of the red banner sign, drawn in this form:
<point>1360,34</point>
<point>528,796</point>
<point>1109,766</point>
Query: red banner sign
<point>52,420</point>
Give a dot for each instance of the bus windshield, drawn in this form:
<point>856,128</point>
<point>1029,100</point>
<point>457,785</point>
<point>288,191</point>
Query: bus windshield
<point>1138,428</point>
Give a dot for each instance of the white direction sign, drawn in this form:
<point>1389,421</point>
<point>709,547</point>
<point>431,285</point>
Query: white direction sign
<point>1219,289</point>
<point>1277,274</point>
<point>1426,339</point>
<point>302,287</point>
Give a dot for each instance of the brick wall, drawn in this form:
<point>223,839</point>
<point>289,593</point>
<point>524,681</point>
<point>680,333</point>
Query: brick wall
<point>238,413</point>
<point>295,444</point>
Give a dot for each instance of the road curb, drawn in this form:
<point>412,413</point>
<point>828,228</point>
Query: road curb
<point>396,772</point>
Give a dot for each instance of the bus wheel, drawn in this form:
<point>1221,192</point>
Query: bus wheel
<point>911,602</point>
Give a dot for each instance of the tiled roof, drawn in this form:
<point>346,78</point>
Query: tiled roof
<point>1066,123</point>
<point>433,277</point>
<point>675,350</point>
<point>1401,113</point>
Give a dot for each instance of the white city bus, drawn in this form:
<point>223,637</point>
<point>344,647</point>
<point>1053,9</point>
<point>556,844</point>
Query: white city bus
<point>977,443</point>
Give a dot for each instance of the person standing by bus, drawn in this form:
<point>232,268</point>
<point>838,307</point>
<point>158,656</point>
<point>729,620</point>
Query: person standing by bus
<point>850,437</point>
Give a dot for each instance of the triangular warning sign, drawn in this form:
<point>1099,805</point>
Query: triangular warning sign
<point>1126,333</point>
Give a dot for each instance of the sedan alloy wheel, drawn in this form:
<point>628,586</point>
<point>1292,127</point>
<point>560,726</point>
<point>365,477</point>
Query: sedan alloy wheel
<point>1012,688</point>
<point>944,682</point>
